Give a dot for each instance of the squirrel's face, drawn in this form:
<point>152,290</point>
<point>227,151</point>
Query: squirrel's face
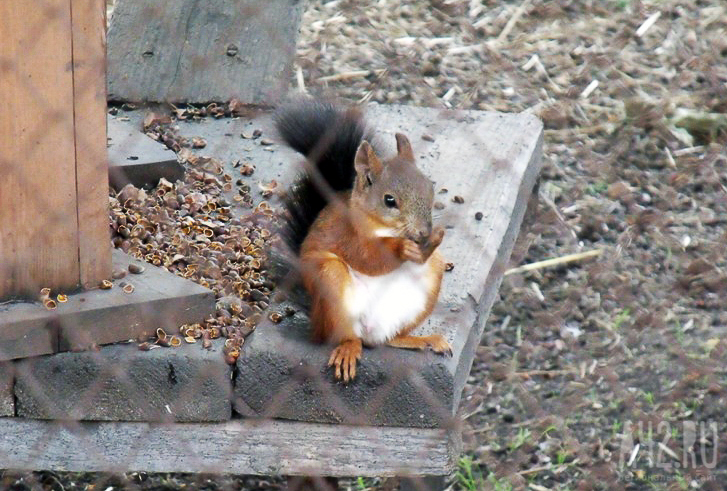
<point>394,192</point>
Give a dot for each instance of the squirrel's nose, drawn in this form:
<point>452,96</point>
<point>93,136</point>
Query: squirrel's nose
<point>424,233</point>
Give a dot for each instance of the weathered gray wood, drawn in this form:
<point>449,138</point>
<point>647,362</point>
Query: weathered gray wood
<point>26,329</point>
<point>137,159</point>
<point>160,299</point>
<point>264,447</point>
<point>192,51</point>
<point>7,398</point>
<point>97,317</point>
<point>122,383</point>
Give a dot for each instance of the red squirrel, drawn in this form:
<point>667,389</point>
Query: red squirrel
<point>361,227</point>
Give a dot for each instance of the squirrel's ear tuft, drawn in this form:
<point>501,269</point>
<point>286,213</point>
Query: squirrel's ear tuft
<point>366,161</point>
<point>403,148</point>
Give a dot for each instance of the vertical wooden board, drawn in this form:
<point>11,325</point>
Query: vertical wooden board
<point>38,218</point>
<point>201,51</point>
<point>88,18</point>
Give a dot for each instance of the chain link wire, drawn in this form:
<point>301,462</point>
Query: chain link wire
<point>594,374</point>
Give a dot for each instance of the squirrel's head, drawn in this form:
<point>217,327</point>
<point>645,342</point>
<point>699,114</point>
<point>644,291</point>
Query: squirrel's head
<point>394,192</point>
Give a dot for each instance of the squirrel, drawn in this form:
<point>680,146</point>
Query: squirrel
<point>361,228</point>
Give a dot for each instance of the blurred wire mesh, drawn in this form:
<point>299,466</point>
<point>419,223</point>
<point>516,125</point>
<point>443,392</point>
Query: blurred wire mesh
<point>607,373</point>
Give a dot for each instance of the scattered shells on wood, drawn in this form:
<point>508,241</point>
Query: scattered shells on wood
<point>188,228</point>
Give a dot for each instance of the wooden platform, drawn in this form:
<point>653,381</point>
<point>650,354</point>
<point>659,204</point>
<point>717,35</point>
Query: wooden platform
<point>397,417</point>
<point>97,317</point>
<point>137,159</point>
<point>262,447</point>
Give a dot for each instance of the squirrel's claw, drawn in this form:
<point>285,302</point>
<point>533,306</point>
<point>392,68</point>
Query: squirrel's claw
<point>432,242</point>
<point>436,238</point>
<point>410,251</point>
<point>344,358</point>
<point>439,344</point>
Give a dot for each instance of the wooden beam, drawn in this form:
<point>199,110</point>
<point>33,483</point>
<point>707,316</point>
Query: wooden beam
<point>97,317</point>
<point>88,19</point>
<point>53,165</point>
<point>137,159</point>
<point>38,217</point>
<point>249,446</point>
<point>192,51</point>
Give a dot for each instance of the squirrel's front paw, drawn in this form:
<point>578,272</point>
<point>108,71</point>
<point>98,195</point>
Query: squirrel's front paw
<point>410,251</point>
<point>344,358</point>
<point>432,242</point>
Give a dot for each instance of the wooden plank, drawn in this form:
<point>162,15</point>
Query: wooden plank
<point>123,383</point>
<point>38,217</point>
<point>137,159</point>
<point>7,396</point>
<point>97,317</point>
<point>88,19</point>
<point>263,447</point>
<point>160,299</point>
<point>29,332</point>
<point>191,51</point>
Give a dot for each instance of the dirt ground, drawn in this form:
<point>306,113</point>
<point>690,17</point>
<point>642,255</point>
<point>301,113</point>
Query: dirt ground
<point>590,374</point>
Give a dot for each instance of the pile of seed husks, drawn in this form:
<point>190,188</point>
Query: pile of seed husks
<point>188,228</point>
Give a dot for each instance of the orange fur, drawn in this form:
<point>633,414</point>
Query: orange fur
<point>345,235</point>
<point>437,271</point>
<point>340,238</point>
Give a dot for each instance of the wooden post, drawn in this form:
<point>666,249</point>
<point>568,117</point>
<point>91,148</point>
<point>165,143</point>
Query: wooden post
<point>53,168</point>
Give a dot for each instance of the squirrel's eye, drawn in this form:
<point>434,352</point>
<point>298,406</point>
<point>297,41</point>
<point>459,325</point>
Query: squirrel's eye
<point>389,201</point>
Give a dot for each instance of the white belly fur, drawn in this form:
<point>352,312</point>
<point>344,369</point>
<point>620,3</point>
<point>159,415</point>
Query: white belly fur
<point>381,306</point>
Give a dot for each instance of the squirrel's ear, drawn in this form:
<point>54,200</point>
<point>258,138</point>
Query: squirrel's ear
<point>403,148</point>
<point>366,161</point>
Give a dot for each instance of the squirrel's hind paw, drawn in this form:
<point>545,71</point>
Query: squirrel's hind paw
<point>344,358</point>
<point>439,344</point>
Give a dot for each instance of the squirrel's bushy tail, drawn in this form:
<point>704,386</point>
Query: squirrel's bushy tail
<point>328,135</point>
